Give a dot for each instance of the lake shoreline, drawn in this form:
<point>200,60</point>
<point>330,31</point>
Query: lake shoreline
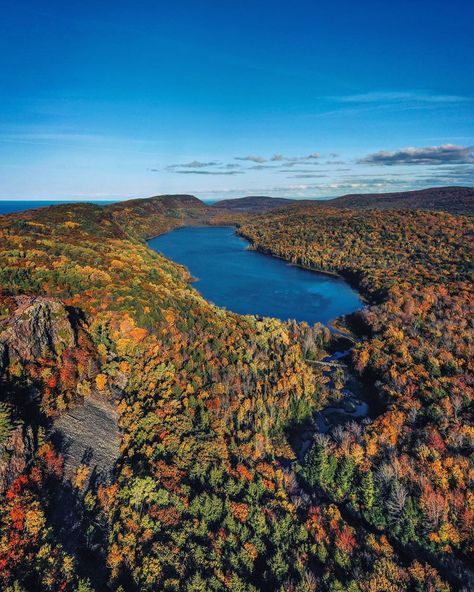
<point>230,276</point>
<point>212,259</point>
<point>188,225</point>
<point>334,274</point>
<point>353,282</point>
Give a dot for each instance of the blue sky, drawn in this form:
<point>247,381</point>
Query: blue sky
<point>222,99</point>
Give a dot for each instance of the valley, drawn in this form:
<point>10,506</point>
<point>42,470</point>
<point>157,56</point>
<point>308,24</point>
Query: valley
<point>233,469</point>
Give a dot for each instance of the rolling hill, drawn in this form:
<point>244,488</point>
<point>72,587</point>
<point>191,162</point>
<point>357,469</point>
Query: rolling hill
<point>253,203</point>
<point>456,200</point>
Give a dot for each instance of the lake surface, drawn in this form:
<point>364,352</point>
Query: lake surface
<point>248,282</point>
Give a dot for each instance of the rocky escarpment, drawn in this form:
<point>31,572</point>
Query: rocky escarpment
<point>47,356</point>
<point>31,329</point>
<point>48,366</point>
<point>39,328</point>
<point>89,438</point>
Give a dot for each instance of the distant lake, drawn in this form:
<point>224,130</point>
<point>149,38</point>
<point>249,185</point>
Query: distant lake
<point>248,282</point>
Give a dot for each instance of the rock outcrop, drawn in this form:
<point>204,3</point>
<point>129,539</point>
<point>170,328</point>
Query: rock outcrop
<point>40,327</point>
<point>88,435</point>
<point>48,366</point>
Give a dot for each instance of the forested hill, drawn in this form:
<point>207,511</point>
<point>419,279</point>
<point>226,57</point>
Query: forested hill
<point>90,319</point>
<point>456,200</point>
<point>134,218</point>
<point>253,203</point>
<point>416,458</point>
<point>199,489</point>
<point>89,312</point>
<point>151,216</point>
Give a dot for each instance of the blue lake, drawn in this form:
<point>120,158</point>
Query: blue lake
<point>248,282</point>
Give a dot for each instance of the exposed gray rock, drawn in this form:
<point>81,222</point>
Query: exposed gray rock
<point>88,434</point>
<point>40,327</point>
<point>44,328</point>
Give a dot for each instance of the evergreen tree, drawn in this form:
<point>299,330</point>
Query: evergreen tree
<point>367,489</point>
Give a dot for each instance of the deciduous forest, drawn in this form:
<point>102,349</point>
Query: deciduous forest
<point>206,492</point>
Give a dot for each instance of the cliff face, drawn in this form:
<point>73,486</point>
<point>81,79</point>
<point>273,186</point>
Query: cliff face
<point>39,328</point>
<point>88,436</point>
<point>48,366</point>
<point>36,329</point>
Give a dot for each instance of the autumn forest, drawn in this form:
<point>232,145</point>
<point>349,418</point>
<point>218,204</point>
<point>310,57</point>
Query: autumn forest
<point>183,469</point>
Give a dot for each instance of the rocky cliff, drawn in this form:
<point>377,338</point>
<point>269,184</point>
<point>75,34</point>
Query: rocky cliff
<point>48,366</point>
<point>39,327</point>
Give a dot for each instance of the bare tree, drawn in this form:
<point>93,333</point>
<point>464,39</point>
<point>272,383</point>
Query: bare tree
<point>355,430</point>
<point>457,403</point>
<point>310,581</point>
<point>397,500</point>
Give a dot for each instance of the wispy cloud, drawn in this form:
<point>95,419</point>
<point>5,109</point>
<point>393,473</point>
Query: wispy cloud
<point>430,155</point>
<point>47,138</point>
<point>360,183</point>
<point>304,170</point>
<point>280,158</point>
<point>294,159</point>
<point>200,172</point>
<point>39,135</point>
<point>278,162</point>
<point>231,165</point>
<point>306,176</point>
<point>454,166</point>
<point>448,175</point>
<point>262,167</point>
<point>389,101</point>
<point>194,164</point>
<point>401,97</point>
<point>251,158</point>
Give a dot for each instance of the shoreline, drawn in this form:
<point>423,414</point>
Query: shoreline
<point>149,238</point>
<point>334,274</point>
<point>251,247</point>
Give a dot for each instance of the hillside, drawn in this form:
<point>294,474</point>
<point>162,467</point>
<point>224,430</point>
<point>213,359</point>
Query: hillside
<point>252,203</point>
<point>418,348</point>
<point>101,337</point>
<point>150,216</point>
<point>90,316</point>
<point>456,200</point>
